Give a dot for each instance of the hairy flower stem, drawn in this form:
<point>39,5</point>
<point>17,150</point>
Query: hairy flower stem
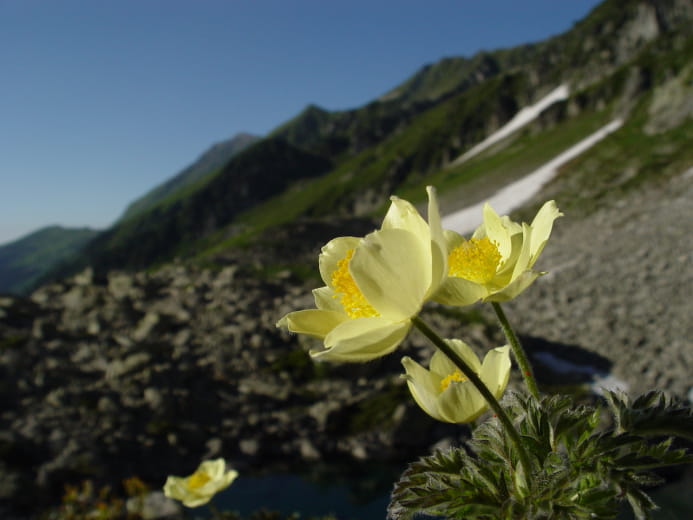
<point>518,351</point>
<point>480,386</point>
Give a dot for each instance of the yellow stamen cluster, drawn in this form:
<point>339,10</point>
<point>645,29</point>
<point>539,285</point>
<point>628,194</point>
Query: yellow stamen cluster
<point>198,479</point>
<point>475,260</point>
<point>455,376</point>
<point>351,298</point>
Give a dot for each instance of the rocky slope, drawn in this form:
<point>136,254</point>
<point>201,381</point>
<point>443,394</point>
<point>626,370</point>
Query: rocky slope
<point>148,373</point>
<point>620,283</point>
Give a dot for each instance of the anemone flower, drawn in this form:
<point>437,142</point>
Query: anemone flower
<point>495,264</point>
<point>445,394</point>
<point>374,285</point>
<point>198,489</point>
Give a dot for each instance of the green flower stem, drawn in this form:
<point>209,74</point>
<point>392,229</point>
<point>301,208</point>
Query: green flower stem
<point>518,351</point>
<point>480,386</point>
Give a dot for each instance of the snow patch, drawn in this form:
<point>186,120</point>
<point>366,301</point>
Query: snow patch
<point>516,193</point>
<point>520,119</point>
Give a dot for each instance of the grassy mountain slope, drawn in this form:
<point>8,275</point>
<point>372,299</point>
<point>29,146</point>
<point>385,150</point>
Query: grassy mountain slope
<point>420,152</point>
<point>24,261</point>
<point>648,149</point>
<point>169,228</point>
<point>206,165</point>
<point>606,38</point>
<point>325,164</point>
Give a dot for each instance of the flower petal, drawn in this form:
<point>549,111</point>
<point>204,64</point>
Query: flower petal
<point>497,232</point>
<point>461,402</point>
<point>228,478</point>
<point>331,253</point>
<point>442,366</point>
<point>325,300</point>
<point>403,215</point>
<point>458,291</point>
<point>541,228</point>
<point>439,251</point>
<point>392,269</point>
<point>314,322</point>
<point>194,500</point>
<point>505,269</point>
<point>213,468</point>
<point>175,487</point>
<point>452,239</point>
<point>423,387</point>
<point>178,489</point>
<point>495,370</point>
<point>522,262</point>
<point>512,227</point>
<point>511,290</point>
<point>362,339</point>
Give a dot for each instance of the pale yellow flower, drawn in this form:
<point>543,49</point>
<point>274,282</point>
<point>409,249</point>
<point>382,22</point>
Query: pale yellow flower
<point>374,285</point>
<point>198,489</point>
<point>496,263</point>
<point>445,394</point>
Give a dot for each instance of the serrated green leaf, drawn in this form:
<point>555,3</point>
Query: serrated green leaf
<point>651,414</point>
<point>578,471</point>
<point>641,503</point>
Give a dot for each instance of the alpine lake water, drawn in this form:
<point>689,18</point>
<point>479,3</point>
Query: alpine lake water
<point>353,492</point>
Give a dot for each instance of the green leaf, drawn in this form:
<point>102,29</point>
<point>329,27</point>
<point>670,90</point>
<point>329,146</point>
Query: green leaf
<point>654,413</point>
<point>578,468</point>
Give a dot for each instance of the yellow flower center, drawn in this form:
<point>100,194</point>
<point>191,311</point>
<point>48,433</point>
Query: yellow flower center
<point>475,260</point>
<point>455,376</point>
<point>198,479</point>
<point>351,298</point>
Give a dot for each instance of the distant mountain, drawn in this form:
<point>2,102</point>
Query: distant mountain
<point>24,261</point>
<point>628,60</point>
<point>596,46</point>
<point>166,229</point>
<point>207,164</point>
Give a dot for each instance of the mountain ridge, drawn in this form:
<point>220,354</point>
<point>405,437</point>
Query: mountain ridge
<point>212,159</point>
<point>408,137</point>
<point>27,259</point>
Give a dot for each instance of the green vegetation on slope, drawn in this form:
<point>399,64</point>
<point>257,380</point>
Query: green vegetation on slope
<point>346,163</point>
<point>205,167</point>
<point>417,150</point>
<point>412,152</point>
<point>171,227</point>
<point>418,153</point>
<point>654,143</point>
<point>625,160</point>
<point>507,161</point>
<point>24,261</point>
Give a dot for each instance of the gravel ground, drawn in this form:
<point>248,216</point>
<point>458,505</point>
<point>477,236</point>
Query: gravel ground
<point>620,284</point>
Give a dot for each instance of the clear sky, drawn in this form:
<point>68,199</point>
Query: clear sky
<point>101,100</point>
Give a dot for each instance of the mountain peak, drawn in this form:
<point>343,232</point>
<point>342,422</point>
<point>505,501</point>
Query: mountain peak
<point>209,161</point>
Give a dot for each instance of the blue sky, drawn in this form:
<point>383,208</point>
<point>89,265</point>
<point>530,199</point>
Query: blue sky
<point>101,100</point>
